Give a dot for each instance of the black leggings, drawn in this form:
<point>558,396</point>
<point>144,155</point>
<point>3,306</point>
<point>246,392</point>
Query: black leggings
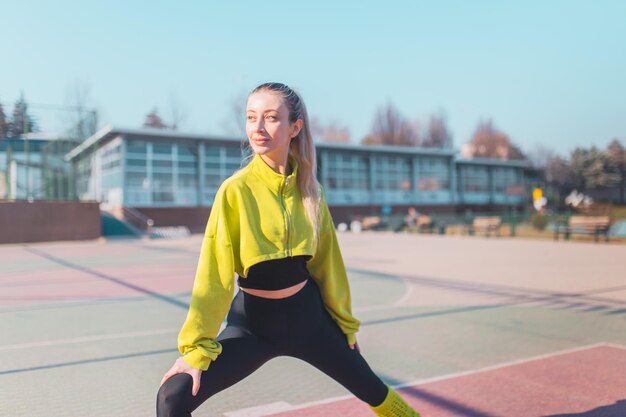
<point>259,329</point>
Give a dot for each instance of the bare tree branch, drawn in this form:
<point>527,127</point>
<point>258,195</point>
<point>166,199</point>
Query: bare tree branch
<point>390,128</point>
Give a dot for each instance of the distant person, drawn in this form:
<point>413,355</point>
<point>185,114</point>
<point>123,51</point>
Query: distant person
<point>271,225</point>
<point>410,220</point>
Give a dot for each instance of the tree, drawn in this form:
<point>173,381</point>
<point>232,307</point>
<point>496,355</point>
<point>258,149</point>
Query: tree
<point>3,123</point>
<point>556,171</point>
<point>178,113</point>
<point>235,121</point>
<point>332,132</point>
<point>153,120</point>
<point>590,169</point>
<point>555,174</point>
<point>540,156</point>
<point>81,120</point>
<point>390,128</point>
<point>488,142</point>
<point>617,157</point>
<point>438,135</point>
<point>553,171</point>
<point>21,122</point>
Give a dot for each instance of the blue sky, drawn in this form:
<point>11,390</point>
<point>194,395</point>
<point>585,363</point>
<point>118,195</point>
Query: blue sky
<point>549,73</point>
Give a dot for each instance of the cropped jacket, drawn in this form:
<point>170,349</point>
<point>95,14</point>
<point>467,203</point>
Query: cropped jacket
<point>258,215</point>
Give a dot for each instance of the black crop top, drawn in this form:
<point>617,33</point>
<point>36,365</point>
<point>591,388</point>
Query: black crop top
<point>276,274</point>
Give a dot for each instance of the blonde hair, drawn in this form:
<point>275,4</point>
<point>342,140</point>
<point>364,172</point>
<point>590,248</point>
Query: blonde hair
<point>302,149</point>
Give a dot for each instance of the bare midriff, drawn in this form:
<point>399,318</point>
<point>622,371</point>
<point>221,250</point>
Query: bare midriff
<point>275,294</point>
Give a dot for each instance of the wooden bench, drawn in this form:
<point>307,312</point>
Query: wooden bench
<point>487,224</point>
<point>422,223</point>
<point>590,225</point>
<point>359,223</point>
<point>371,222</point>
<point>425,224</point>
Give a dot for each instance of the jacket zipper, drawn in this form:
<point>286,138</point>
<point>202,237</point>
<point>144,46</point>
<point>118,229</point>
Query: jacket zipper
<point>282,200</point>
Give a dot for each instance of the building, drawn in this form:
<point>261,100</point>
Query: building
<point>32,167</point>
<point>172,177</point>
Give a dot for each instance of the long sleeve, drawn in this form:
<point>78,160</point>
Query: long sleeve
<point>328,270</point>
<point>212,290</point>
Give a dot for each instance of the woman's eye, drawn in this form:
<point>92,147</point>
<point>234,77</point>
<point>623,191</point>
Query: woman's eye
<point>250,117</point>
<point>271,117</point>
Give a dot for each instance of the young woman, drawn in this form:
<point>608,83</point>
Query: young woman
<point>270,224</point>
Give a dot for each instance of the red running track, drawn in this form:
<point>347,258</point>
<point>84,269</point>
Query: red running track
<point>590,382</point>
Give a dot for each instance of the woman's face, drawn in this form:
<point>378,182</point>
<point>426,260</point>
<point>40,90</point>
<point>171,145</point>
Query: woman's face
<point>267,125</point>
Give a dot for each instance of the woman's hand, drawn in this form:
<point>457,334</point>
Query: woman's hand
<point>181,367</point>
<point>355,346</point>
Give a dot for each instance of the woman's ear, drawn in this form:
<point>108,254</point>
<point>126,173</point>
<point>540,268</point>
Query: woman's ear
<point>296,127</point>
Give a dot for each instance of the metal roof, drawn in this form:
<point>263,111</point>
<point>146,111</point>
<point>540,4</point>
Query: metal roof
<point>109,132</point>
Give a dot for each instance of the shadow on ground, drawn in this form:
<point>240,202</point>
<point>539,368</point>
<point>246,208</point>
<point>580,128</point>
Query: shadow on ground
<point>438,400</point>
<point>614,410</point>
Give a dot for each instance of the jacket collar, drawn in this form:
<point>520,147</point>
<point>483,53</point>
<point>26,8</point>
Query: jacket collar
<point>270,177</point>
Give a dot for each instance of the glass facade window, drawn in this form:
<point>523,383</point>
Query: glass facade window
<point>187,171</point>
<point>187,180</point>
<point>347,171</point>
<point>163,187</point>
<point>83,171</point>
<point>392,173</point>
<point>212,166</point>
<point>136,163</point>
<point>156,163</point>
<point>187,164</point>
<point>162,148</point>
<point>233,160</point>
<point>137,187</point>
<point>137,179</point>
<point>162,173</point>
<point>187,150</point>
<point>111,158</point>
<point>138,147</point>
<point>220,163</point>
<point>433,174</point>
<point>475,179</point>
<point>136,154</point>
<point>162,162</point>
<point>506,178</point>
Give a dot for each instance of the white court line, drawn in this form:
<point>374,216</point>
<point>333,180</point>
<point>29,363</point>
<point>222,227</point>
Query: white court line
<point>615,345</point>
<point>262,410</point>
<point>375,307</point>
<point>87,339</point>
<point>439,378</point>
<point>507,364</point>
<point>409,291</point>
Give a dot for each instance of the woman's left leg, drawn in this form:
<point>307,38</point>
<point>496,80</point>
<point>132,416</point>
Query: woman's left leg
<point>334,357</point>
<point>316,339</point>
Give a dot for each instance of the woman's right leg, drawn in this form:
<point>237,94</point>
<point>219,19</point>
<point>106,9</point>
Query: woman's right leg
<point>241,355</point>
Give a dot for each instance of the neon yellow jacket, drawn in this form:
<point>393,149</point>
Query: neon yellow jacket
<point>258,215</point>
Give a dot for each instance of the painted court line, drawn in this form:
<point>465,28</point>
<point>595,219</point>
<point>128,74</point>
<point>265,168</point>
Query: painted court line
<point>507,364</point>
<point>616,346</point>
<point>87,339</point>
<point>262,410</point>
<point>374,307</point>
<point>453,375</point>
<point>409,289</point>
